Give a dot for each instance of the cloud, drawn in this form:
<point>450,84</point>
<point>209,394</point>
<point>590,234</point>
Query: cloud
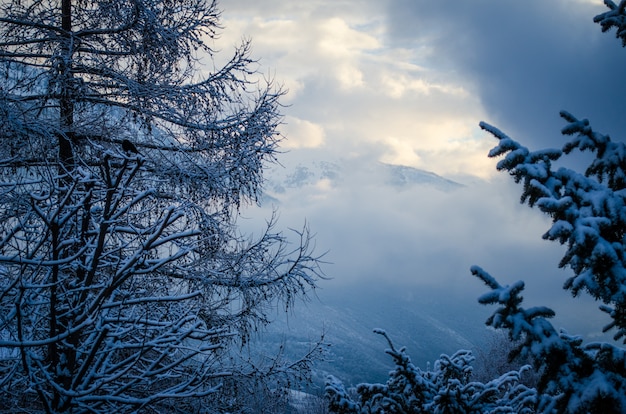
<point>525,60</point>
<point>399,86</point>
<point>372,98</point>
<point>406,82</point>
<point>300,133</point>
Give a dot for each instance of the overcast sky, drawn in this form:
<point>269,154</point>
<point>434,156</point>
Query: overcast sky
<point>406,82</point>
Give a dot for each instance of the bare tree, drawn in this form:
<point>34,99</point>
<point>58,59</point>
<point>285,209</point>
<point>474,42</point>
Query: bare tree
<point>493,359</point>
<point>124,283</point>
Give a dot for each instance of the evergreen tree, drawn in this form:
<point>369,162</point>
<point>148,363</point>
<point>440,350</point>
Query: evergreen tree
<point>447,389</point>
<point>588,213</point>
<point>124,283</point>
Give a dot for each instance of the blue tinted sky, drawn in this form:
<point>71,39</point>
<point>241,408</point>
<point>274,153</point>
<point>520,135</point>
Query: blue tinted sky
<point>406,82</point>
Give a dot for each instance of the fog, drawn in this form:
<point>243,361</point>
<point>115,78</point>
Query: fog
<point>406,83</point>
<point>385,236</point>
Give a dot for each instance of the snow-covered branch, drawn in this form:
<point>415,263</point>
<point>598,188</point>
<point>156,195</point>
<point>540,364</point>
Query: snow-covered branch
<point>448,388</point>
<point>574,378</point>
<point>588,211</point>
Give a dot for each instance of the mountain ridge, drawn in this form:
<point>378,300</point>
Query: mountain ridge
<point>279,181</point>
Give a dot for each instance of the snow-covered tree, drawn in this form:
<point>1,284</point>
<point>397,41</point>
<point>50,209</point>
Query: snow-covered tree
<point>493,358</point>
<point>124,283</point>
<point>588,212</point>
<point>446,389</point>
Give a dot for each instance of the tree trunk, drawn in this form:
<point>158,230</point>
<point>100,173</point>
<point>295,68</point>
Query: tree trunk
<point>63,353</point>
<point>66,101</point>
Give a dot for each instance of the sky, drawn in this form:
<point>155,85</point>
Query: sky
<point>406,82</point>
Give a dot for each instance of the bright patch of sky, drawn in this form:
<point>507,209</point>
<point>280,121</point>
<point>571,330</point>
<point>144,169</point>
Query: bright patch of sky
<point>354,94</point>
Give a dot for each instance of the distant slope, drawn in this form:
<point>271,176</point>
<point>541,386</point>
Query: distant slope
<point>425,326</point>
<point>428,323</point>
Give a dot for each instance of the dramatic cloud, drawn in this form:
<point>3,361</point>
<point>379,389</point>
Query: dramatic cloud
<point>525,60</point>
<point>370,97</point>
<point>406,83</point>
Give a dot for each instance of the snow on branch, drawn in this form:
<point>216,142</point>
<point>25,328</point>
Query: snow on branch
<point>614,18</point>
<point>610,157</point>
<point>124,283</point>
<point>588,211</point>
<point>573,377</point>
<point>448,388</point>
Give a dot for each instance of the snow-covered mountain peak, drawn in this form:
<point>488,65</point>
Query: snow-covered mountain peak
<point>337,173</point>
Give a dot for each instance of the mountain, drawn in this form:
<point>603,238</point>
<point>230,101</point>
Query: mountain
<point>370,252</point>
<point>310,173</point>
<point>401,176</point>
<point>428,326</point>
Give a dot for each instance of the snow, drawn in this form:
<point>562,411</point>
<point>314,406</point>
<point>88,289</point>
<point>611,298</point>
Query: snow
<point>588,214</point>
<point>447,388</point>
<point>126,283</point>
